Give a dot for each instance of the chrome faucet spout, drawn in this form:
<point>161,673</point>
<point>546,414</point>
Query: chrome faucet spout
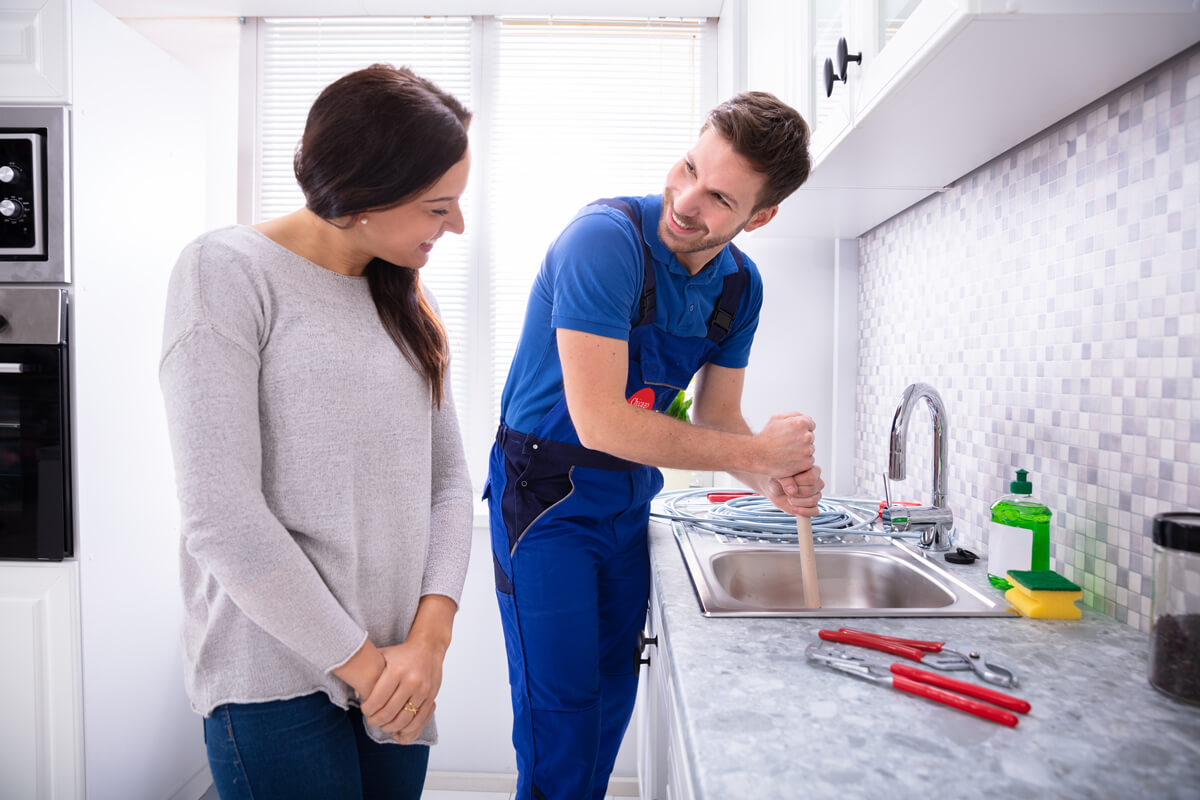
<point>939,535</point>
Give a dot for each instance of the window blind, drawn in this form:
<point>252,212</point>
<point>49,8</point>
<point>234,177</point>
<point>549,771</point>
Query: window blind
<point>566,111</point>
<point>581,109</point>
<point>298,57</point>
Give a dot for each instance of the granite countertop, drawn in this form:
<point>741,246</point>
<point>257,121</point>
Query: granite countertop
<point>760,722</point>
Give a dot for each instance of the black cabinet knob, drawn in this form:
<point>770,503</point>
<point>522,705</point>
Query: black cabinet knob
<point>844,58</point>
<point>839,73</point>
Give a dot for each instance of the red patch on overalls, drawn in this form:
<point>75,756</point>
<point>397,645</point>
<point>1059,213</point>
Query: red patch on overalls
<point>643,398</point>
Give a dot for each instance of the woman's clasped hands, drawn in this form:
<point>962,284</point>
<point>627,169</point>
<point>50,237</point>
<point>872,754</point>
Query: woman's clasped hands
<point>396,685</point>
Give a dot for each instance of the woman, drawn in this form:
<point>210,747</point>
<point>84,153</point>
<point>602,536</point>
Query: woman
<point>325,500</point>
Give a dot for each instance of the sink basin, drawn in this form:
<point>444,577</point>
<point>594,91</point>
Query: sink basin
<point>880,578</point>
<point>847,578</point>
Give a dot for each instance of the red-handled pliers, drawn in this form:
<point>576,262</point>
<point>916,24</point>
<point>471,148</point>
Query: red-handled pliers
<point>926,684</point>
<point>933,654</point>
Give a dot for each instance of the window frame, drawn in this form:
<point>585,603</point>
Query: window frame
<point>476,418</point>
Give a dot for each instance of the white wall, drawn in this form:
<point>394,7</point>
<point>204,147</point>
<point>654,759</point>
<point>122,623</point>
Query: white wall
<point>210,48</point>
<point>474,715</point>
<point>792,362</point>
<point>731,55</point>
<point>839,475</point>
<point>138,198</point>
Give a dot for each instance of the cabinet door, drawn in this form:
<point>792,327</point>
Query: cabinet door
<point>651,714</point>
<point>829,116</point>
<point>34,51</point>
<point>673,775</point>
<point>41,740</point>
<point>679,776</point>
<point>893,36</point>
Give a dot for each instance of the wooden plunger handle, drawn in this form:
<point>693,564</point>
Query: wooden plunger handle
<point>808,562</point>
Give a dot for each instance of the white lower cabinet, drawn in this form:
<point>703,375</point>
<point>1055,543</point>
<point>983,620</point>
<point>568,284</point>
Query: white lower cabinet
<point>41,730</point>
<point>663,772</point>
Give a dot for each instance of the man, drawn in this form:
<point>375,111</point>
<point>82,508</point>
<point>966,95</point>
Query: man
<point>635,297</point>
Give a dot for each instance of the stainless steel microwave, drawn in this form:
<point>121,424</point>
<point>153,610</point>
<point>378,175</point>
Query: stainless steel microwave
<point>34,206</point>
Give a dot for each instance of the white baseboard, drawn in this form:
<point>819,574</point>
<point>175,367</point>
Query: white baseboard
<point>471,781</point>
<point>623,787</point>
<point>503,782</point>
<point>445,781</point>
<point>196,787</point>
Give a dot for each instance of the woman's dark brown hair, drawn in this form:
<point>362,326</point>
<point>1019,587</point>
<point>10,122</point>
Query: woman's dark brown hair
<point>375,139</point>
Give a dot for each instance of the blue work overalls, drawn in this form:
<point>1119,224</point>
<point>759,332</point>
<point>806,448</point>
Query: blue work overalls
<point>572,569</point>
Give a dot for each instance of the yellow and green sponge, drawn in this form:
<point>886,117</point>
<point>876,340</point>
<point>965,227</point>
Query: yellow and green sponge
<point>1043,594</point>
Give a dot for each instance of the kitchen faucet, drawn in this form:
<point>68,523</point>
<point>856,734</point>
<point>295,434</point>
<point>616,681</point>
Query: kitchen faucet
<point>936,522</point>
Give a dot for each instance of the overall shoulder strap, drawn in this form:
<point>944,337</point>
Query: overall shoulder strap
<point>648,304</point>
<point>721,321</point>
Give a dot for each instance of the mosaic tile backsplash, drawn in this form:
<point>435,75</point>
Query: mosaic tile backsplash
<point>1052,297</point>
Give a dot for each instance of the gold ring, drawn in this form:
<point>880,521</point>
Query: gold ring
<point>410,707</point>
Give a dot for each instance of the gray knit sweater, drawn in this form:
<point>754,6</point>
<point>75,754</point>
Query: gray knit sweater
<point>321,493</point>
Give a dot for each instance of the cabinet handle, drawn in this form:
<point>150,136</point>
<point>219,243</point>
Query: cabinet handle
<point>843,62</point>
<point>643,640</point>
<point>844,57</point>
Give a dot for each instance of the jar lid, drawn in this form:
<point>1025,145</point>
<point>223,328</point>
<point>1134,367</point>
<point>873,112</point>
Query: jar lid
<point>1178,530</point>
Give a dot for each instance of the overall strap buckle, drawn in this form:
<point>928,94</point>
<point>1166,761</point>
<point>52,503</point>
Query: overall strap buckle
<point>725,309</point>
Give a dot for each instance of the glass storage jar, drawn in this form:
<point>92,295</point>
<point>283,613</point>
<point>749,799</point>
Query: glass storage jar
<point>1175,616</point>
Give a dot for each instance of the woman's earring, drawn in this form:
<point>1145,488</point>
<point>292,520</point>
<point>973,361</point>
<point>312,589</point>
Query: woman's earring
<point>363,221</point>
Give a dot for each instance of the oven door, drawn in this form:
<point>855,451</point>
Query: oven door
<point>35,469</point>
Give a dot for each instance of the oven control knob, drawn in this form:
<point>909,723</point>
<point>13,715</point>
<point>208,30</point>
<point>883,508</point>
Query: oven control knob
<point>11,209</point>
<point>7,174</point>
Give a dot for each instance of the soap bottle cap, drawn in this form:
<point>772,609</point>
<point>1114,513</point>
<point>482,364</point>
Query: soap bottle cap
<point>1020,485</point>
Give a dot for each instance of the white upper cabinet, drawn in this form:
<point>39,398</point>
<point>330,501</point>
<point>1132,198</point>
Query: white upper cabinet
<point>892,34</point>
<point>35,46</point>
<point>942,87</point>
<point>829,105</point>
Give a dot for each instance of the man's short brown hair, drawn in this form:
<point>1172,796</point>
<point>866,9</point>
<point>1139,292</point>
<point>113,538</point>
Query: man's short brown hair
<point>771,135</point>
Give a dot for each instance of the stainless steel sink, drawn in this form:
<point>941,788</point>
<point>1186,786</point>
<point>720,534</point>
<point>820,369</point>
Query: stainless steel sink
<point>879,578</point>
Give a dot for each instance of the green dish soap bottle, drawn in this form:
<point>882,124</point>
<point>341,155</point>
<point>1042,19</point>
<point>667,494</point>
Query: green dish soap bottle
<point>1019,534</point>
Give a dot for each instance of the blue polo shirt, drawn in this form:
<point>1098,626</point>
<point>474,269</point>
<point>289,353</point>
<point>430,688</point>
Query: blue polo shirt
<point>591,281</point>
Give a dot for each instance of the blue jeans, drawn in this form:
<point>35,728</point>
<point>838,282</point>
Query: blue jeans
<point>306,747</point>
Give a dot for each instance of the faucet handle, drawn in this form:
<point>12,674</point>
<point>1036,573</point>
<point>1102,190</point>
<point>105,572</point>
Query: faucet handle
<point>936,526</point>
<point>930,515</point>
<point>895,515</point>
